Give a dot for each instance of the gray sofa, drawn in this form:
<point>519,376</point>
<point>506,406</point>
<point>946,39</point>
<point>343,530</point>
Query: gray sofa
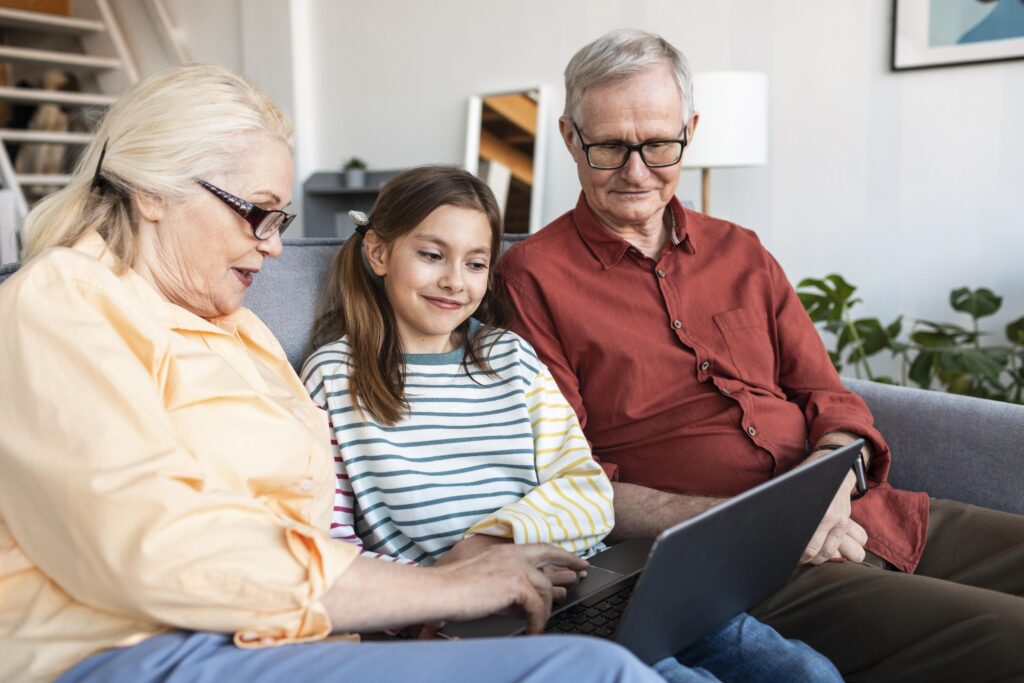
<point>950,446</point>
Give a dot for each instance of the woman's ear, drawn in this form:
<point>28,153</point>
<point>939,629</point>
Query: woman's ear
<point>150,207</point>
<point>376,253</point>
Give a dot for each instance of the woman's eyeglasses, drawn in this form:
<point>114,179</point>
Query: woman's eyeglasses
<point>264,222</point>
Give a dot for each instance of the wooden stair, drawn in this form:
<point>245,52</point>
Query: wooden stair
<point>96,55</point>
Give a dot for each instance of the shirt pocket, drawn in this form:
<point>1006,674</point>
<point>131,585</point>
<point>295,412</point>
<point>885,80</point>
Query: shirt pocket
<point>745,332</point>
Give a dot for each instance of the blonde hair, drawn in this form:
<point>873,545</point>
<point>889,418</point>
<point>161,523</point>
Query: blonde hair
<point>176,125</point>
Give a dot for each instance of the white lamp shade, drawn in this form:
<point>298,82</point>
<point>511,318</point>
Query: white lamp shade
<point>733,128</point>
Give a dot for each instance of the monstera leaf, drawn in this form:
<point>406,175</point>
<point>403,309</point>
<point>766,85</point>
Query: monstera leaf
<point>978,303</point>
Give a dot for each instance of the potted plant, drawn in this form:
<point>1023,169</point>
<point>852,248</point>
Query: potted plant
<point>355,172</point>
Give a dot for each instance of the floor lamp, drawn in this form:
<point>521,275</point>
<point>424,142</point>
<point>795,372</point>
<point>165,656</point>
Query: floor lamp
<point>733,129</point>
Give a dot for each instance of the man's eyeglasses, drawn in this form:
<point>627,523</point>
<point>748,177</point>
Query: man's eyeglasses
<point>607,156</point>
<point>264,222</point>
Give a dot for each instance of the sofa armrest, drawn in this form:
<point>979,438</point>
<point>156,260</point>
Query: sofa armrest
<point>950,446</point>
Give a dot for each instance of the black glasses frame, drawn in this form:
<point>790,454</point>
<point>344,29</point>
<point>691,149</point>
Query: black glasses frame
<point>629,149</point>
<point>256,216</point>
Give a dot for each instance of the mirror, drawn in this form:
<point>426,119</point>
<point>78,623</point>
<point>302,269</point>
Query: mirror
<point>505,147</point>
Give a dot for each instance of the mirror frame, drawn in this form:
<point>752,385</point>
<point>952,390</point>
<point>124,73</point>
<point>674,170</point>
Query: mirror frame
<point>474,118</point>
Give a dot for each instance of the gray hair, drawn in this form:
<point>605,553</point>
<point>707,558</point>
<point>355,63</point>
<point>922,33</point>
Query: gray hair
<point>618,55</point>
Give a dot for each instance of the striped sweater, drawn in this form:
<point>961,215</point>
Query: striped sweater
<point>499,454</point>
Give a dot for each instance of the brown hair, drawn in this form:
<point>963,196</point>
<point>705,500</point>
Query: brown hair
<point>354,305</point>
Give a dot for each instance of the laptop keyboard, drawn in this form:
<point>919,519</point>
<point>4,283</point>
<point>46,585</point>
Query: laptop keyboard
<point>597,617</point>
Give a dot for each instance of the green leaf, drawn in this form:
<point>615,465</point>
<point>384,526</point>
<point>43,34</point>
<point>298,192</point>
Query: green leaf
<point>873,335</point>
<point>836,360</point>
<point>932,339</point>
<point>979,303</point>
<point>819,307</point>
<point>1015,332</point>
<point>843,289</point>
<point>894,328</point>
<point>960,384</point>
<point>884,379</point>
<point>921,370</point>
<point>978,362</point>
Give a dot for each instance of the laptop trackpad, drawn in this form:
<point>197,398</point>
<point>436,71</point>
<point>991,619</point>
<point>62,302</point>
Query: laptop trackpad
<point>496,626</point>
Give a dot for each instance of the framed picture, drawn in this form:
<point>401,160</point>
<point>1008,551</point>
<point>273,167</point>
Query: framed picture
<point>930,33</point>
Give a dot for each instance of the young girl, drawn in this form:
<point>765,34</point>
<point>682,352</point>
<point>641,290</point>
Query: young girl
<point>450,431</point>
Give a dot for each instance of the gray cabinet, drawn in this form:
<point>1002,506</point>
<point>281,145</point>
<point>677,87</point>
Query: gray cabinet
<point>327,201</point>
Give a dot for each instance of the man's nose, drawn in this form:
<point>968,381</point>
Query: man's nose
<point>635,168</point>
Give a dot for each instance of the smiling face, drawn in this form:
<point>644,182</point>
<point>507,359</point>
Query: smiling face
<point>644,107</point>
<point>434,276</point>
<point>196,250</point>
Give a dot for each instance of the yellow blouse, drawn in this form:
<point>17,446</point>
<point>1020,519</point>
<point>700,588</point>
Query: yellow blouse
<point>157,470</point>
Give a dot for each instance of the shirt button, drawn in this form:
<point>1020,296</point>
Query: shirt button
<point>306,484</point>
<point>751,431</point>
<point>661,273</point>
<point>705,365</point>
<point>726,392</point>
<point>676,324</point>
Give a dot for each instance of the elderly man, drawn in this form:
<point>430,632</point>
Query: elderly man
<point>696,374</point>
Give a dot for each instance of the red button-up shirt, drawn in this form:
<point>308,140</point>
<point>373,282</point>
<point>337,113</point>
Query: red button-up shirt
<point>698,372</point>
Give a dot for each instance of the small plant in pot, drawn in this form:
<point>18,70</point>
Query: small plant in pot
<point>355,172</point>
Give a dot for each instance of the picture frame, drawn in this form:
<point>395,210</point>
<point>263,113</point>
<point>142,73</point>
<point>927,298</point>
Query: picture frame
<point>935,33</point>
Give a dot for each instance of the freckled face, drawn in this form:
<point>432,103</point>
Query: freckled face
<point>435,276</point>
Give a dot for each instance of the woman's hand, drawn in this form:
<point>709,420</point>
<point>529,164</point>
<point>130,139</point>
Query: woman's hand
<point>373,595</point>
<point>517,579</point>
<point>562,578</point>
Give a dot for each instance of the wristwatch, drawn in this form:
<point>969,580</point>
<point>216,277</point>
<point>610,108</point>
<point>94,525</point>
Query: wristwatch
<point>858,469</point>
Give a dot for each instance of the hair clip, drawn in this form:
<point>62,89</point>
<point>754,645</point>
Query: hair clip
<point>361,221</point>
<point>98,181</point>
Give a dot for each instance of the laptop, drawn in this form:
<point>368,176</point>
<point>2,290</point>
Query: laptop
<point>657,598</point>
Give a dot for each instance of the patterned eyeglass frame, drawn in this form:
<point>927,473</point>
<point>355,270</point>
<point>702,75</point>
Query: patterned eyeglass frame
<point>252,214</point>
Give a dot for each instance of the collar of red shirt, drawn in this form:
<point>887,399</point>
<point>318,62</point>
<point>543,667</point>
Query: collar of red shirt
<point>609,248</point>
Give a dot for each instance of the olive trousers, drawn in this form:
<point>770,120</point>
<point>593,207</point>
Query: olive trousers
<point>959,617</point>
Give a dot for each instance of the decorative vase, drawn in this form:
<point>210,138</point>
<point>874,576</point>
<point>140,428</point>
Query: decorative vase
<point>355,177</point>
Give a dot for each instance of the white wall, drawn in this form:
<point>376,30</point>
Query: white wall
<point>907,183</point>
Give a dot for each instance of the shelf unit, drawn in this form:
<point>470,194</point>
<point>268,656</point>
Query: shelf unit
<point>327,201</point>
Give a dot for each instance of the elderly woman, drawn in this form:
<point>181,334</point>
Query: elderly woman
<point>166,482</point>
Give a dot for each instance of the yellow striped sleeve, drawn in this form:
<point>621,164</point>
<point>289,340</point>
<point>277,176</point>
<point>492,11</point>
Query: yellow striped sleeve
<point>572,505</point>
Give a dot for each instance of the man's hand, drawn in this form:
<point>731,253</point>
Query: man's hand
<point>837,536</point>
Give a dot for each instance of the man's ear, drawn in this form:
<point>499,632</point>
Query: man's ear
<point>376,253</point>
<point>150,207</point>
<point>692,127</point>
<point>568,134</point>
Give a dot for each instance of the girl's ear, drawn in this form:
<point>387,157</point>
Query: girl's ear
<point>376,253</point>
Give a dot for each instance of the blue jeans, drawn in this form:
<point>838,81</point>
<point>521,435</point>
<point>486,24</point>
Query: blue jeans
<point>188,657</point>
<point>744,649</point>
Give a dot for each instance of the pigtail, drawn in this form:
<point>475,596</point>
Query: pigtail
<point>352,305</point>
